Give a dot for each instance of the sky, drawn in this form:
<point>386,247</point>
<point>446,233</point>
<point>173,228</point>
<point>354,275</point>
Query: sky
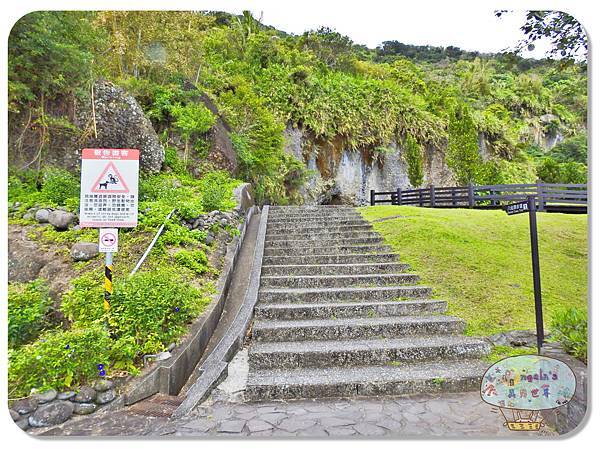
<point>371,22</point>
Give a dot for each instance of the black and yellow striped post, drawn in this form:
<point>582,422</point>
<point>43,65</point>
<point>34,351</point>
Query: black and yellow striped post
<point>108,280</point>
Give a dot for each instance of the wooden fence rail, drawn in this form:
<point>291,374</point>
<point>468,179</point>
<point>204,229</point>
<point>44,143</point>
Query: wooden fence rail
<point>551,197</point>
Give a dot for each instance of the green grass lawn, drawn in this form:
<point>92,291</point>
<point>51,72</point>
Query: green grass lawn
<point>480,261</point>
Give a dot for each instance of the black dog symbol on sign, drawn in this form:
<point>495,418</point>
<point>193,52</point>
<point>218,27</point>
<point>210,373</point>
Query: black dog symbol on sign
<point>111,180</point>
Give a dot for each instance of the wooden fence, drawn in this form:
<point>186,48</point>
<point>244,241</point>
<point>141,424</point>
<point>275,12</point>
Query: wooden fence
<point>551,197</point>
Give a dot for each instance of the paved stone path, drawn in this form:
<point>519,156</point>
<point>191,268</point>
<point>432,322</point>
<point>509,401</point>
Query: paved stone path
<point>226,413</point>
<point>448,415</point>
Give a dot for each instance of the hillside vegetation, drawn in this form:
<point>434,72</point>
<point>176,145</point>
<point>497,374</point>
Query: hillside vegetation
<point>195,72</point>
<point>261,79</point>
<point>480,262</point>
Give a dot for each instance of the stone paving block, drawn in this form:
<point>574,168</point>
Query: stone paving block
<point>392,425</point>
<point>272,418</point>
<point>335,422</point>
<point>295,424</point>
<point>232,426</point>
<point>313,432</point>
<point>257,425</point>
<point>201,425</point>
<point>369,430</point>
<point>340,431</point>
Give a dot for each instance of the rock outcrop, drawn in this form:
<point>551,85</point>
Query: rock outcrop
<point>119,123</point>
<point>344,176</point>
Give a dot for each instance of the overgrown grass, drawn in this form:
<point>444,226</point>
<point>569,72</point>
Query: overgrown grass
<point>480,261</point>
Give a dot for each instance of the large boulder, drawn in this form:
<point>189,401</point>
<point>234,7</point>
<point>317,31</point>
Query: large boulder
<point>61,219</point>
<point>41,215</point>
<point>25,406</point>
<point>84,251</point>
<point>51,414</point>
<point>121,123</point>
<point>85,394</point>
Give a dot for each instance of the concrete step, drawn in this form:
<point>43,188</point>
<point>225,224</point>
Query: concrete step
<point>350,294</point>
<point>309,222</point>
<point>319,213</point>
<point>327,281</point>
<point>316,236</point>
<point>334,269</point>
<point>327,207</point>
<point>427,377</point>
<point>355,328</point>
<point>293,243</point>
<point>345,353</point>
<point>316,230</point>
<point>325,249</point>
<point>348,259</point>
<point>305,311</point>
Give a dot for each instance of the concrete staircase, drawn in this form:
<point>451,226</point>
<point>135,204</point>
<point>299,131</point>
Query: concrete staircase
<point>338,315</point>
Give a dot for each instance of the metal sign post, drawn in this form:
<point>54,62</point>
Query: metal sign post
<point>109,197</point>
<point>535,265</point>
<point>108,243</point>
<point>518,208</point>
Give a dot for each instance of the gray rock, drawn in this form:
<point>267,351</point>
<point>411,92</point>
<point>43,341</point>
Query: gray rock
<point>224,222</point>
<point>28,216</point>
<point>23,423</point>
<point>121,123</point>
<point>56,412</point>
<point>514,338</point>
<point>85,394</point>
<point>60,219</point>
<point>104,397</point>
<point>24,406</point>
<point>84,408</point>
<point>46,396</point>
<point>244,197</point>
<point>66,395</point>
<point>84,251</point>
<point>103,385</point>
<point>14,414</point>
<point>42,215</point>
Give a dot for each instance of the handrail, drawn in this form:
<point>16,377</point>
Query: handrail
<point>158,233</point>
<point>486,195</point>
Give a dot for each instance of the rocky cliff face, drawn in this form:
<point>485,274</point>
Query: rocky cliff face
<point>343,176</point>
<point>119,123</point>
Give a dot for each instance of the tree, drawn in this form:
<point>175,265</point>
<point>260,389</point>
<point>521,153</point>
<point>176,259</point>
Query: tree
<point>49,54</point>
<point>566,34</point>
<point>333,48</point>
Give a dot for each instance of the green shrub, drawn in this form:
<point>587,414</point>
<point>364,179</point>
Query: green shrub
<point>569,328</point>
<point>177,235</point>
<point>414,159</point>
<point>217,191</point>
<point>172,160</point>
<point>193,118</point>
<point>153,308</point>
<point>195,260</point>
<point>83,303</point>
<point>28,303</point>
<point>60,186</point>
<point>59,359</point>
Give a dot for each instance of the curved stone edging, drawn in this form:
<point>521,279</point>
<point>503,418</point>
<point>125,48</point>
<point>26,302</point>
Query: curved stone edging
<point>169,376</point>
<point>215,366</point>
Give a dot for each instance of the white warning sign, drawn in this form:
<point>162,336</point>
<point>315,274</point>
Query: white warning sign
<point>109,188</point>
<point>109,240</point>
